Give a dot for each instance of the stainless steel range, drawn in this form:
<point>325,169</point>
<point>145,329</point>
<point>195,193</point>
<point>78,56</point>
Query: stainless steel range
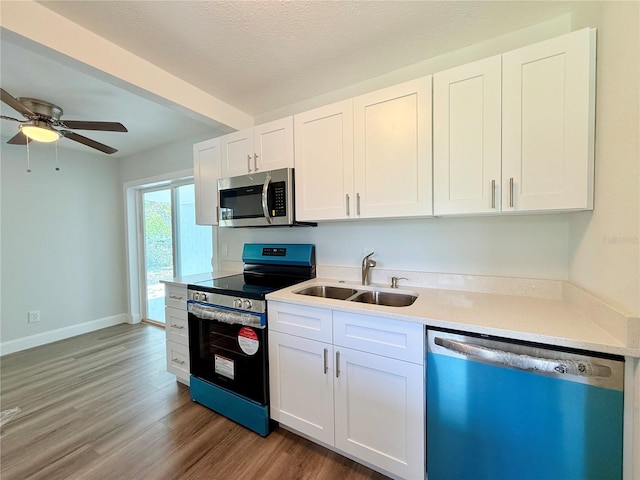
<point>228,335</point>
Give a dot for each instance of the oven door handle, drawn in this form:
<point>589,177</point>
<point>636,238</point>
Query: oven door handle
<point>265,198</point>
<point>224,316</point>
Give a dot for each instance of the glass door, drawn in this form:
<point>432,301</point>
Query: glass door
<point>174,246</point>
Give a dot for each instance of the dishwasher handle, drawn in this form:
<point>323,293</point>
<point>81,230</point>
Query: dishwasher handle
<point>525,362</point>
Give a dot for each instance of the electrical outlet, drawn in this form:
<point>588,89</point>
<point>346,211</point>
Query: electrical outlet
<point>33,316</point>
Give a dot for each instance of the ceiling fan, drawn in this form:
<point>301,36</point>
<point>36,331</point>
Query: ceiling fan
<point>42,117</point>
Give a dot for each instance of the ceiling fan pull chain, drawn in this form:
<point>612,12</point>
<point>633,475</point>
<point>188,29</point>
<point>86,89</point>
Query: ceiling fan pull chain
<point>28,159</point>
<point>57,167</point>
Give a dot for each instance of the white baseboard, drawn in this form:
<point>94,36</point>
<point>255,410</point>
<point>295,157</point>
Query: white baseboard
<point>43,338</point>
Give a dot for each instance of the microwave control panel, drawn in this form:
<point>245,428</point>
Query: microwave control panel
<point>278,199</point>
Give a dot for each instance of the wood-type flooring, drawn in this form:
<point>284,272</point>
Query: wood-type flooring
<point>102,406</point>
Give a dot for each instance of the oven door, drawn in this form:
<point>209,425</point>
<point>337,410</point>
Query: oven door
<point>228,348</point>
<point>257,200</point>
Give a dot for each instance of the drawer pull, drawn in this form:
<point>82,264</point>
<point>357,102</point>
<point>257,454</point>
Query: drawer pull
<point>179,327</point>
<point>337,364</point>
<point>176,360</point>
<point>176,297</point>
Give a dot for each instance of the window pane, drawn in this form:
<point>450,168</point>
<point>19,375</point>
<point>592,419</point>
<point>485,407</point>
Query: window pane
<point>195,247</point>
<point>158,249</point>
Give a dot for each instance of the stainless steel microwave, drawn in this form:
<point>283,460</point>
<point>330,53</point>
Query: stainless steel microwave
<point>260,199</point>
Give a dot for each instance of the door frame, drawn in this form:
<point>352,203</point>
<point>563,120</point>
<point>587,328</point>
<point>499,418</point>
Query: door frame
<point>132,231</point>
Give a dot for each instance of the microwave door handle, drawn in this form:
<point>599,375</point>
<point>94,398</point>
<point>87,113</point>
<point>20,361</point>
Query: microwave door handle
<point>265,199</point>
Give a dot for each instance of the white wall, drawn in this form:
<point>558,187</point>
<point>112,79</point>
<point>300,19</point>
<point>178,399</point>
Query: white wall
<point>515,246</point>
<point>604,251</point>
<point>62,250</point>
<point>164,159</point>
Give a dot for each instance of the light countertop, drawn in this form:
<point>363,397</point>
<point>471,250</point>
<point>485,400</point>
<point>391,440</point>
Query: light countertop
<point>549,321</point>
<point>199,277</point>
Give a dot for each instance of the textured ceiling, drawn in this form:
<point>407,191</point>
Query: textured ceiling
<point>262,55</point>
<point>256,56</point>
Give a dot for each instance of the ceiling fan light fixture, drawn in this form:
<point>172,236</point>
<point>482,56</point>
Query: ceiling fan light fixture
<point>40,132</point>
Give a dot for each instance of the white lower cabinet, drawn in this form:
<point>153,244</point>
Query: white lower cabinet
<point>358,393</point>
<point>177,331</point>
<point>301,390</point>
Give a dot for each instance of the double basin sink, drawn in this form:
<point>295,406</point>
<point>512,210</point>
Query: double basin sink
<point>373,297</point>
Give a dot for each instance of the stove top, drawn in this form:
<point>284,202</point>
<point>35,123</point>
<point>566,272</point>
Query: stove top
<point>234,285</point>
<point>267,267</point>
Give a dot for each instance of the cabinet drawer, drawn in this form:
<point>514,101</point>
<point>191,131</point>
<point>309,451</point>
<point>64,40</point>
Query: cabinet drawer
<point>178,360</point>
<point>307,322</point>
<point>177,325</point>
<point>390,338</point>
<point>175,296</point>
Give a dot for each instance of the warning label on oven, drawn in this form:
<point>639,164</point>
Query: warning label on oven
<point>248,341</point>
<point>224,366</point>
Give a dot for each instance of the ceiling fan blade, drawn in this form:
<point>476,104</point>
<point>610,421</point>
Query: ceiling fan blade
<point>13,102</point>
<point>104,126</point>
<point>19,139</point>
<point>88,142</point>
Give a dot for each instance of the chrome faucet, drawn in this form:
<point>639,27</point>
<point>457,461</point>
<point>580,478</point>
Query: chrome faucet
<point>367,265</point>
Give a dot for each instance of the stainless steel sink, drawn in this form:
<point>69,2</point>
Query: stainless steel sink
<point>387,299</point>
<point>326,291</point>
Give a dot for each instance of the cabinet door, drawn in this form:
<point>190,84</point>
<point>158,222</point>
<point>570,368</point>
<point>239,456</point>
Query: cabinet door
<point>467,138</point>
<point>392,151</point>
<point>324,162</point>
<point>236,153</point>
<point>273,145</point>
<point>548,124</point>
<point>379,411</point>
<point>301,385</point>
<point>206,171</point>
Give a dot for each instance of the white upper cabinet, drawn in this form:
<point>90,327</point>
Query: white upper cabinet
<point>324,162</point>
<point>467,138</point>
<point>548,105</point>
<point>392,151</point>
<point>367,157</point>
<point>265,147</point>
<point>514,133</point>
<point>206,171</point>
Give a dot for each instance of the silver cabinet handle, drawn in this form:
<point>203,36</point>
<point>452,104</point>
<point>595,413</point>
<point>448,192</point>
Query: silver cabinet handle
<point>255,162</point>
<point>493,194</point>
<point>326,360</point>
<point>337,364</point>
<point>525,362</point>
<point>179,327</point>
<point>357,204</point>
<point>265,198</point>
<point>175,360</point>
<point>511,192</point>
<point>249,163</point>
<point>176,297</point>
<point>348,213</point>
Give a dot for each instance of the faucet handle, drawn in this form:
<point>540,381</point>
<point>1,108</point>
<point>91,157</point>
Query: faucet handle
<point>394,281</point>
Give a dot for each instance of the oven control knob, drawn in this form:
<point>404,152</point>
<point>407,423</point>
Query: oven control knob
<point>237,303</point>
<point>246,304</point>
<point>203,297</point>
<point>195,296</point>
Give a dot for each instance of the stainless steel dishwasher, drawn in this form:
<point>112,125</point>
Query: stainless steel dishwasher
<point>504,410</point>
